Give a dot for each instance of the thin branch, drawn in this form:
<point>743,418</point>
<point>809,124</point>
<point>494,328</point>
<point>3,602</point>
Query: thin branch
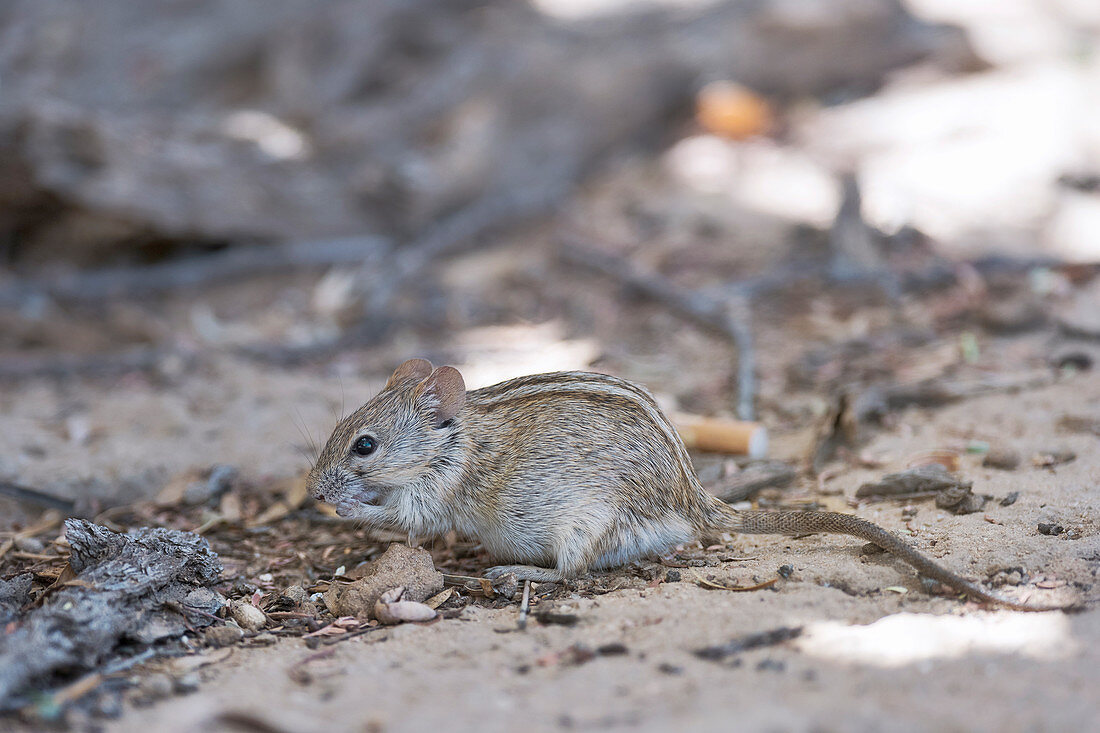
<point>712,315</point>
<point>198,271</point>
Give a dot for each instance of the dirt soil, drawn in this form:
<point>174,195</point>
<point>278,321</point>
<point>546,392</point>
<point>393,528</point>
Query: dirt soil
<point>839,640</point>
<point>877,652</point>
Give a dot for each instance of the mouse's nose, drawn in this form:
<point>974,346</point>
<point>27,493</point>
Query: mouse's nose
<point>315,485</point>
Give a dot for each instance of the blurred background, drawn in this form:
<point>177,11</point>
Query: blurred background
<point>223,222</point>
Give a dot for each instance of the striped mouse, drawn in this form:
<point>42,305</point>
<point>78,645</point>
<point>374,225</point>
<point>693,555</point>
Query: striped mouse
<point>554,473</point>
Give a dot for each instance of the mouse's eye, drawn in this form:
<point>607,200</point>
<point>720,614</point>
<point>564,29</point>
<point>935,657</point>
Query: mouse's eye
<point>364,446</point>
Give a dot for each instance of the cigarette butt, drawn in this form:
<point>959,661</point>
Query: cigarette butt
<point>722,436</point>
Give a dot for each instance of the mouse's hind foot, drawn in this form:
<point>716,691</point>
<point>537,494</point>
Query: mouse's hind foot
<point>527,572</point>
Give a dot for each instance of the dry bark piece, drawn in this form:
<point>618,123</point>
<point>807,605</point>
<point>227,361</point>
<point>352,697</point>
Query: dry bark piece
<point>952,493</point>
<point>929,478</point>
<point>14,595</point>
<point>399,565</point>
<point>961,500</point>
<point>505,586</point>
<point>138,587</point>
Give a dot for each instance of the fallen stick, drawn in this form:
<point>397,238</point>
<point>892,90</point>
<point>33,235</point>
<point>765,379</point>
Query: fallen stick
<point>753,478</point>
<point>711,314</point>
<point>524,606</point>
<point>748,642</point>
<point>38,498</point>
<point>201,270</point>
<point>67,365</point>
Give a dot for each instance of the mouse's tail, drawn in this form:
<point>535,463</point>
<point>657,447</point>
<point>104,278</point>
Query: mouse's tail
<point>798,523</point>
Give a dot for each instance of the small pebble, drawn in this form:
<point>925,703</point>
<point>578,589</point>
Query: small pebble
<point>1076,360</point>
<point>1008,576</point>
<point>615,648</point>
<point>297,594</point>
<point>1050,529</point>
<point>1001,458</point>
<point>243,588</point>
<point>187,683</point>
<point>1010,498</point>
<point>1052,458</point>
<point>247,616</point>
<point>666,668</point>
<point>29,544</point>
<point>785,571</point>
<point>672,576</point>
<point>223,635</point>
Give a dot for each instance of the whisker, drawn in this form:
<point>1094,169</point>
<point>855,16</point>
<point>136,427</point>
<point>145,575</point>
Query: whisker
<point>343,411</point>
<point>303,430</point>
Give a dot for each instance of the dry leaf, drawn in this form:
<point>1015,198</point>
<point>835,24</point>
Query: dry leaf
<point>439,598</point>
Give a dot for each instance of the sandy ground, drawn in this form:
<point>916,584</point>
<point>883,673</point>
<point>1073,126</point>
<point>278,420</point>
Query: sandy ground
<point>877,652</point>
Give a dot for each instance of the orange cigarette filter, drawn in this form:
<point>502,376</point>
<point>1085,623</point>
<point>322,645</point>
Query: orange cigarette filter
<point>722,436</point>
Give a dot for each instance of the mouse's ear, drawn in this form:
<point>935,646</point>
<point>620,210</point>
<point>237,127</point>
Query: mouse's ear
<point>448,392</point>
<point>413,370</point>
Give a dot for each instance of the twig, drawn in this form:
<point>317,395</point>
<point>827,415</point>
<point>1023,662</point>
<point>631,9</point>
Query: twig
<point>753,478</point>
<point>351,635</point>
<point>225,265</point>
<point>750,641</point>
<point>81,687</point>
<point>524,606</point>
<point>460,580</point>
<point>49,521</point>
<point>142,358</point>
<point>36,497</point>
<point>711,314</point>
